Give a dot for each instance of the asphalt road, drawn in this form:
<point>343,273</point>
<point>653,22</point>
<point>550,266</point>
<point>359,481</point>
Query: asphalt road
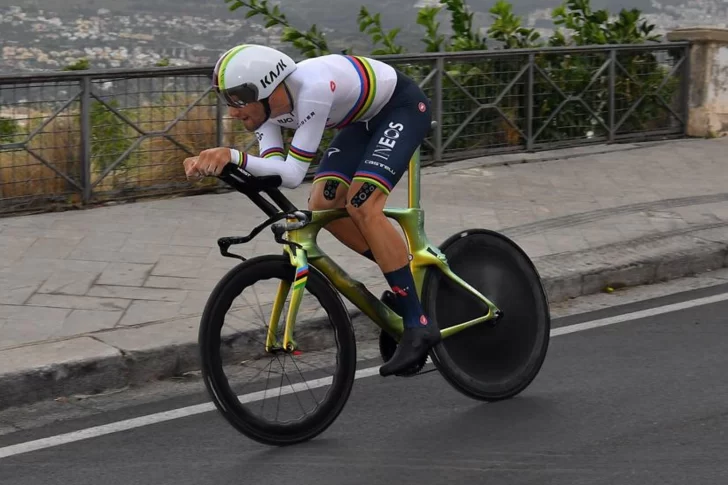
<point>643,401</point>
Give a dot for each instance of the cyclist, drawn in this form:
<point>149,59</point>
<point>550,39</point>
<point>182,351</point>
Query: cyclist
<point>382,116</point>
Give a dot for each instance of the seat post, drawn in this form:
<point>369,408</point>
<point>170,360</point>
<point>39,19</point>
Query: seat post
<point>413,176</point>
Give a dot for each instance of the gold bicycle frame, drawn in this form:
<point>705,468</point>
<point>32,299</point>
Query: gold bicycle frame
<point>424,254</point>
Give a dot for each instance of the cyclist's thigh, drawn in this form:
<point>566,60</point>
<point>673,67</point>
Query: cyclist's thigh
<point>394,140</point>
<point>334,174</point>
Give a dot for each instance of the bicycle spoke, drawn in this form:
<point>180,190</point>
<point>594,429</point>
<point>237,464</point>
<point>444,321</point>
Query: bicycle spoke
<point>296,394</point>
<point>304,380</point>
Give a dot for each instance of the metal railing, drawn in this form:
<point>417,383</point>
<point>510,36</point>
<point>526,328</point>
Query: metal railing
<point>75,138</point>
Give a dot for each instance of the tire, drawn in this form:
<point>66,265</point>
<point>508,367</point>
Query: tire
<point>488,362</point>
<point>227,403</point>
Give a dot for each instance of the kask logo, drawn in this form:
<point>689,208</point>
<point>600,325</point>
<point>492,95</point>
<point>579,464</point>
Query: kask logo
<point>273,75</point>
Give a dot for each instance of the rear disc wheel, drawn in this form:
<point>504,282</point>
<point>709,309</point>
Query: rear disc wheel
<point>488,362</point>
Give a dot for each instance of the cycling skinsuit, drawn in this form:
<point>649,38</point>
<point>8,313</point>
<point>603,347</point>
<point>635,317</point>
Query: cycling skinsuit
<point>382,116</point>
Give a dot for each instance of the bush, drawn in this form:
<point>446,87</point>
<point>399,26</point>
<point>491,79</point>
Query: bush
<point>8,129</point>
<point>492,80</point>
<point>498,82</point>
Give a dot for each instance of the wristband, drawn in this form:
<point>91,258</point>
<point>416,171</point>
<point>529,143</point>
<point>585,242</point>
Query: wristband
<point>235,157</point>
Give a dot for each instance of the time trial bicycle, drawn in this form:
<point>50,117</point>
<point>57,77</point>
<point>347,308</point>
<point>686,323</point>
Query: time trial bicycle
<point>478,286</point>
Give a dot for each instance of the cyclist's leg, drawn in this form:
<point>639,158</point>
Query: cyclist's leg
<point>332,180</point>
<point>396,134</point>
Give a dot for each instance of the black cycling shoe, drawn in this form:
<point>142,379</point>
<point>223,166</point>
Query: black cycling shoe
<point>412,349</point>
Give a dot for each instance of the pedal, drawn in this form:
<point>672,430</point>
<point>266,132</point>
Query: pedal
<point>414,370</point>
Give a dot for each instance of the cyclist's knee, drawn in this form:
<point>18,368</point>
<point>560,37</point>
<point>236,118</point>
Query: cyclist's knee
<point>364,201</point>
<point>327,194</point>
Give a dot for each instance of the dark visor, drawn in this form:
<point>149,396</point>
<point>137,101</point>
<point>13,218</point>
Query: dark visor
<point>239,96</point>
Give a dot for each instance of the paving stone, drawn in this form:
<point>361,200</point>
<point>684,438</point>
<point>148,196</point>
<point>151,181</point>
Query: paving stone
<point>142,312</point>
<point>23,324</point>
<point>78,302</point>
<point>129,274</point>
<point>164,249</point>
<point>105,255</point>
<point>172,282</point>
<point>86,321</point>
<point>53,248</point>
<point>179,266</point>
<point>69,282</point>
<point>137,293</point>
<point>16,292</point>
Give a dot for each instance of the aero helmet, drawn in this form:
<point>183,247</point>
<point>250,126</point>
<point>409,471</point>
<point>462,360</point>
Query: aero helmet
<point>249,73</point>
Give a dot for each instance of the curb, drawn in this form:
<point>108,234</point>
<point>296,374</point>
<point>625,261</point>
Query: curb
<point>99,367</point>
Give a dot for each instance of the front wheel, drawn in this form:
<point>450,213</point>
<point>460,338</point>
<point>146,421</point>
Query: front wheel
<point>322,365</point>
<point>488,362</point>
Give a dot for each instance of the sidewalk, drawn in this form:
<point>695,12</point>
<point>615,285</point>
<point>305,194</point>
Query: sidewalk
<point>107,297</point>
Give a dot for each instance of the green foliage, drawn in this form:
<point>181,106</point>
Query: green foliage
<point>310,43</point>
<point>502,80</point>
<point>8,130</point>
<point>591,27</point>
<point>372,25</point>
<point>164,62</point>
<point>506,28</point>
<point>465,37</point>
<point>79,65</point>
<point>427,18</point>
<point>108,135</point>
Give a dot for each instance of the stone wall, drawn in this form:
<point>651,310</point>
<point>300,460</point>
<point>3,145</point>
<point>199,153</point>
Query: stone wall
<point>708,98</point>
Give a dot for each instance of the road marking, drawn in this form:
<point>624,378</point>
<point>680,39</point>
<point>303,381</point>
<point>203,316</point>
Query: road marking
<point>161,417</point>
<point>649,312</point>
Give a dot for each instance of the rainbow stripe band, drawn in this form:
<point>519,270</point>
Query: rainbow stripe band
<point>339,177</point>
<point>243,160</point>
<point>375,179</point>
<point>223,64</point>
<point>301,155</point>
<point>273,152</point>
<point>368,83</point>
<point>301,277</point>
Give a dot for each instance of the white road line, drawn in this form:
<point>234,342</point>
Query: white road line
<point>142,421</point>
<point>649,312</point>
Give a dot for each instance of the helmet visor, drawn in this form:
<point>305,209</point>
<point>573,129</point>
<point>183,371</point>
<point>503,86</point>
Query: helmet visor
<point>238,96</point>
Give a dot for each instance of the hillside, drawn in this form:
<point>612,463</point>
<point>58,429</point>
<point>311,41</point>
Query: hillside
<point>135,33</point>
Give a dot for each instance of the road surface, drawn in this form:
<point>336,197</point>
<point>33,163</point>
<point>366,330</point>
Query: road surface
<point>636,394</point>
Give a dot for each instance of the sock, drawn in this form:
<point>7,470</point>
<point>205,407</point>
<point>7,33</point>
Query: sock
<point>403,286</point>
<point>369,255</point>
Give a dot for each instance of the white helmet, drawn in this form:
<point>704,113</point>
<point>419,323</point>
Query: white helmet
<point>249,73</point>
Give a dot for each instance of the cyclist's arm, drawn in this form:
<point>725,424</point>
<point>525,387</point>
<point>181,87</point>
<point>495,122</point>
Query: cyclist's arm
<point>313,107</point>
<point>270,142</point>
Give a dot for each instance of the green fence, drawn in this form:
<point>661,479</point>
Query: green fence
<point>75,138</point>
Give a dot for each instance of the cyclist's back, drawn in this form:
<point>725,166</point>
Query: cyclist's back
<point>356,88</point>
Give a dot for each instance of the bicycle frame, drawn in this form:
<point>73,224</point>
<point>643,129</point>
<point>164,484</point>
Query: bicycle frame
<point>424,254</point>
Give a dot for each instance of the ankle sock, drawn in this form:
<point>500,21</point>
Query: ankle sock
<point>403,286</point>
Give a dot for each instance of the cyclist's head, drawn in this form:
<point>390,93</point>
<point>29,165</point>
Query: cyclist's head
<point>249,73</point>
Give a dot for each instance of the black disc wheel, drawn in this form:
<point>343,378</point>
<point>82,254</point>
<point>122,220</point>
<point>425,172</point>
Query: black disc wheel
<point>487,361</point>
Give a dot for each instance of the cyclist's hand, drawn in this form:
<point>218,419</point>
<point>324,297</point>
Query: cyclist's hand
<point>212,161</point>
<point>190,165</point>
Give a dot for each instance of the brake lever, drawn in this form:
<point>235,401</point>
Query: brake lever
<point>225,242</point>
<point>279,228</point>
